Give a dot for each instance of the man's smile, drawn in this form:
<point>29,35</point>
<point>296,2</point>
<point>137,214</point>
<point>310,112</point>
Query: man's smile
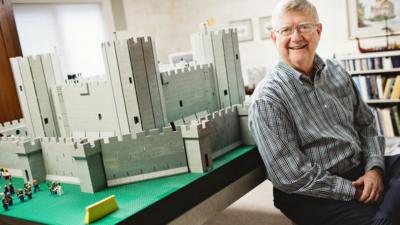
<point>298,47</point>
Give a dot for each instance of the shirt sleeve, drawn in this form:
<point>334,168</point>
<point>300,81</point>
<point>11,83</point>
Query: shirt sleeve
<point>287,166</point>
<point>372,145</point>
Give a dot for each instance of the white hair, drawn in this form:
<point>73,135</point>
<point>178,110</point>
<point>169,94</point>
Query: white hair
<point>293,6</point>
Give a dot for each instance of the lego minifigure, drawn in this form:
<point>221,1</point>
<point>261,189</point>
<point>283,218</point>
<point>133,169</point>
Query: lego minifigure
<point>20,195</point>
<point>7,175</point>
<point>59,189</point>
<point>5,203</point>
<point>28,192</point>
<point>11,188</point>
<point>9,199</point>
<point>6,190</point>
<point>36,186</point>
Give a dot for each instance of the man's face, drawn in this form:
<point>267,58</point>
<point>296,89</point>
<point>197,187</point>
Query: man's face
<point>297,49</point>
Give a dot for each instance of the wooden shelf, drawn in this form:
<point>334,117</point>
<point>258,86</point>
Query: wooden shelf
<point>382,102</point>
<point>395,71</point>
<point>367,55</point>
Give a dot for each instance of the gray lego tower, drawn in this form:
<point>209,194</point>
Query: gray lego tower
<point>221,48</point>
<point>34,77</point>
<point>133,71</point>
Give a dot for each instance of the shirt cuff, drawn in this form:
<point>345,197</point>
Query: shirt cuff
<point>344,190</point>
<point>375,161</point>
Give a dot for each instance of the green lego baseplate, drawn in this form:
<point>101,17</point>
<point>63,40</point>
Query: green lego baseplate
<point>70,208</point>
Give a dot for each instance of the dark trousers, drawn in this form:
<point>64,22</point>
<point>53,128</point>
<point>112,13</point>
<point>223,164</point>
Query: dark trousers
<point>306,210</point>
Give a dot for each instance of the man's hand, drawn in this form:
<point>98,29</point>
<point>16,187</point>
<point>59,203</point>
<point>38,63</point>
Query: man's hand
<point>369,187</point>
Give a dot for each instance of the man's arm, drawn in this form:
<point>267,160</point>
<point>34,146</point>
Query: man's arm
<point>372,144</point>
<point>288,168</point>
<point>370,185</point>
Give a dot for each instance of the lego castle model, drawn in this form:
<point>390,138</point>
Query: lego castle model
<point>139,124</point>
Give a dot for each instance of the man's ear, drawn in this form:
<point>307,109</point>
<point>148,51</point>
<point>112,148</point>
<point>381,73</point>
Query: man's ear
<point>273,37</point>
<point>319,29</point>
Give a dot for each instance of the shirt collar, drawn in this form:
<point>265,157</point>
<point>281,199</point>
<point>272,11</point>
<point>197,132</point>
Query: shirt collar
<point>318,66</point>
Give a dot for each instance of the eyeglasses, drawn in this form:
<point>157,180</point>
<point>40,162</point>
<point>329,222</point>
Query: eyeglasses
<point>304,28</point>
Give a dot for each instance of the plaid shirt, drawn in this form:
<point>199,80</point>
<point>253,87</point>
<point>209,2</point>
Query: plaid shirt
<point>308,132</point>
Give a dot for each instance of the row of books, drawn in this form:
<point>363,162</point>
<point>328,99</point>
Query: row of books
<point>378,87</point>
<point>387,121</point>
<point>373,63</point>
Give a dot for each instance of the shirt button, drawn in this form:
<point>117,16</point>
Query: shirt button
<point>326,106</point>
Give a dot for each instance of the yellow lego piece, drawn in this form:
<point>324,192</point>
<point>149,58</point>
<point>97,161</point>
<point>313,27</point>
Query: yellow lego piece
<point>100,209</point>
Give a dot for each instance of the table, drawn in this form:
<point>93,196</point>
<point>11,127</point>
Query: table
<point>182,199</point>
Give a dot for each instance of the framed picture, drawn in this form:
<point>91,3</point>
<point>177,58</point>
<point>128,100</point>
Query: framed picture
<point>180,57</point>
<point>367,18</point>
<point>265,27</point>
<point>244,29</point>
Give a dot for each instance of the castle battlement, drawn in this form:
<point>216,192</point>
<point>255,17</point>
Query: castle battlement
<point>21,145</point>
<point>196,129</point>
<point>152,133</point>
<point>243,109</point>
<point>84,150</point>
<point>225,30</point>
<point>124,42</point>
<point>183,71</point>
<point>12,124</point>
<point>136,40</point>
<point>91,84</point>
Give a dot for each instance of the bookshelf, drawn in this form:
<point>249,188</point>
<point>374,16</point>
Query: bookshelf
<point>377,77</point>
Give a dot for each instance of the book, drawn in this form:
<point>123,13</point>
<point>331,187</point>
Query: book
<point>387,123</point>
<point>363,88</point>
<point>387,91</point>
<point>396,89</point>
<point>379,86</point>
<point>374,88</point>
<point>394,112</point>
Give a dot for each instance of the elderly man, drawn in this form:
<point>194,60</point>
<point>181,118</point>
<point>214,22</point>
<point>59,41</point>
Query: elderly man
<point>316,136</point>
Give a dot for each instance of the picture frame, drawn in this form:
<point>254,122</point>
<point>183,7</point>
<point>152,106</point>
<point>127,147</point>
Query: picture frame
<point>366,18</point>
<point>180,57</point>
<point>265,27</point>
<point>244,29</point>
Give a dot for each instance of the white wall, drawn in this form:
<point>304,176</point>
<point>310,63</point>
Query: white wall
<point>171,22</point>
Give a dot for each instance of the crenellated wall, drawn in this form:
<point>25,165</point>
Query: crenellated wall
<point>188,91</point>
<point>15,128</point>
<point>23,155</point>
<point>215,134</point>
<point>143,156</point>
<point>74,161</point>
<point>224,127</point>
